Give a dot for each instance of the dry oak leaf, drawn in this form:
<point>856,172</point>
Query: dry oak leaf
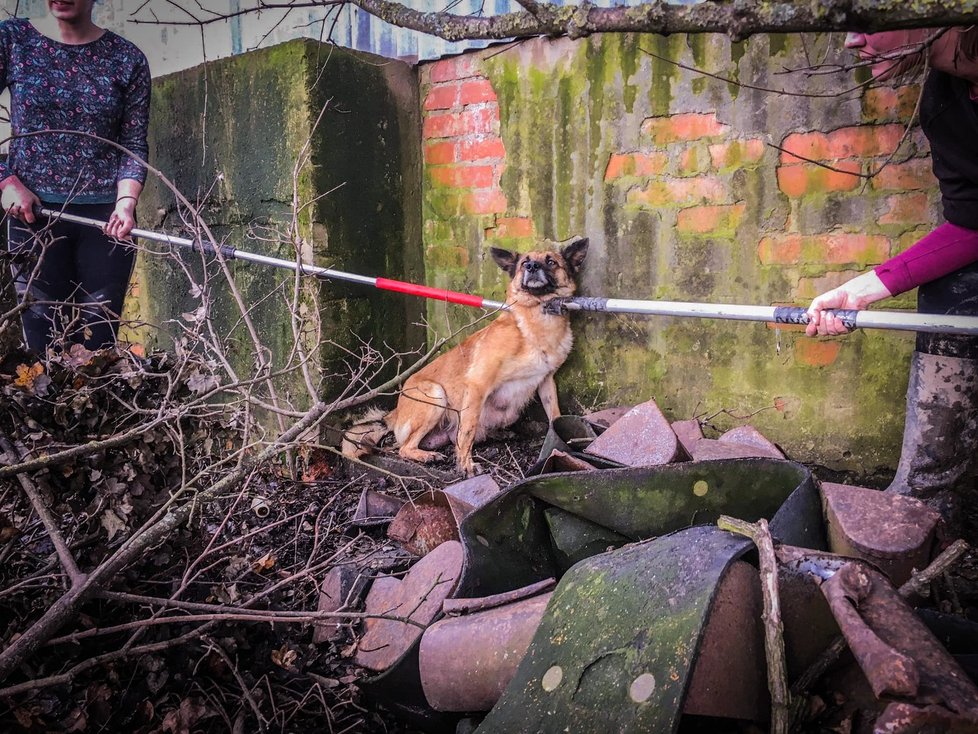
<point>285,657</point>
<point>32,379</point>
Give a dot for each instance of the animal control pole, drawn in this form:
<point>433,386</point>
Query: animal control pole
<point>936,323</point>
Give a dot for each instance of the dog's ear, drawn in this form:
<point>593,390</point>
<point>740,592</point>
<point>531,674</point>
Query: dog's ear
<point>574,254</point>
<point>505,259</point>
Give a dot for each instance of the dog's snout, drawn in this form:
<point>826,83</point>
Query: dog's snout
<point>531,266</point>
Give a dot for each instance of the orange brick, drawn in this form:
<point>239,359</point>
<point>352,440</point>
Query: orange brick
<point>457,67</point>
<point>705,219</point>
<point>485,201</point>
<point>442,126</point>
<point>692,162</point>
<point>481,148</point>
<point>512,227</point>
<point>889,103</point>
<point>843,248</point>
<point>474,91</point>
<point>739,153</point>
<point>864,141</point>
<point>910,208</point>
<point>801,179</point>
<point>783,250</point>
<point>442,97</point>
<point>808,288</point>
<point>439,153</point>
<point>835,248</point>
<point>680,192</point>
<point>476,120</point>
<point>861,141</point>
<point>635,164</point>
<point>815,352</point>
<point>463,177</point>
<point>915,174</point>
<point>684,126</point>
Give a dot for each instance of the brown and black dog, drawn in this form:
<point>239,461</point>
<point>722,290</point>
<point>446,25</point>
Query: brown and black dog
<point>485,382</point>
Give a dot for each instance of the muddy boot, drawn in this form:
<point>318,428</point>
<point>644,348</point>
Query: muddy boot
<point>940,436</point>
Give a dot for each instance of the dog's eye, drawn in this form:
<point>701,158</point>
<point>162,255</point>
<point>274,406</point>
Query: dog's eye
<point>551,262</point>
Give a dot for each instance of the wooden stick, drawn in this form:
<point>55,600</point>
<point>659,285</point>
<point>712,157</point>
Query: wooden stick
<point>777,669</point>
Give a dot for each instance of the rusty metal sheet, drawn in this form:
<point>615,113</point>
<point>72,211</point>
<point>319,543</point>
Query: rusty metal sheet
<point>688,433</point>
<point>424,524</point>
<point>890,672</point>
<point>341,590</point>
<point>752,437</point>
<point>641,437</point>
<point>895,649</point>
<point>894,532</point>
<point>470,494</point>
<point>570,434</point>
<point>601,419</point>
<point>560,461</point>
<point>376,508</point>
<point>467,662</point>
<point>417,597</point>
<point>615,649</point>
<point>905,718</point>
<point>463,605</point>
<point>729,673</point>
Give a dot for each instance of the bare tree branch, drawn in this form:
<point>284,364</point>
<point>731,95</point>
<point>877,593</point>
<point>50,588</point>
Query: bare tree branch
<point>736,19</point>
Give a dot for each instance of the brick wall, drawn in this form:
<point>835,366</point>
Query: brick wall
<point>690,188</point>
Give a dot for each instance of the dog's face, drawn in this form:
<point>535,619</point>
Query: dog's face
<point>542,274</point>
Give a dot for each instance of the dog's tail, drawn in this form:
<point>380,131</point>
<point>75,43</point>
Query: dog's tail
<point>363,436</point>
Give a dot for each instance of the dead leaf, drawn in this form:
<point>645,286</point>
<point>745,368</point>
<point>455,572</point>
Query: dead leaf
<point>285,657</point>
<point>32,379</point>
<point>112,524</point>
<point>183,719</point>
<point>265,563</point>
<point>200,383</point>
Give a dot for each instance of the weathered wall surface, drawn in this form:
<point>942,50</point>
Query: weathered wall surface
<point>677,179</point>
<point>336,132</point>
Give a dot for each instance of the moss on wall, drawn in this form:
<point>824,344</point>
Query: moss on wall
<point>247,137</point>
<point>565,109</point>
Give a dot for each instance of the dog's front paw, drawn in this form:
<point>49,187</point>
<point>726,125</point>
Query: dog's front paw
<point>425,457</point>
<point>470,468</point>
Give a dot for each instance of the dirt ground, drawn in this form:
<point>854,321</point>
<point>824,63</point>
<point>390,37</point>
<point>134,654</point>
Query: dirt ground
<point>247,676</point>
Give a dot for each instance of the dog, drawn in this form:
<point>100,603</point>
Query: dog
<point>485,382</point>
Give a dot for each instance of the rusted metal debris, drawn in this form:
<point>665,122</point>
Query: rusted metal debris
<point>424,524</point>
<point>341,590</point>
<point>894,532</point>
<point>523,534</point>
<point>562,461</point>
<point>896,651</point>
<point>466,662</point>
<point>478,604</point>
<point>728,678</point>
<point>376,508</point>
<point>641,437</point>
<point>433,518</point>
<point>418,597</point>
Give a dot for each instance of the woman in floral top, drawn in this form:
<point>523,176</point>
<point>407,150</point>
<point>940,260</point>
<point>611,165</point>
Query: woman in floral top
<point>72,75</point>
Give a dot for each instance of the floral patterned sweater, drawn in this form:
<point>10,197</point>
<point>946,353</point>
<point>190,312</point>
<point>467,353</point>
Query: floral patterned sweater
<point>101,88</point>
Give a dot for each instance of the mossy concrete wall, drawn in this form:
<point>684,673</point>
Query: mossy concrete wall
<point>334,132</point>
<point>679,181</point>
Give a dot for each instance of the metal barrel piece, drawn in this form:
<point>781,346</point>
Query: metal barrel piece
<point>229,252</point>
<point>903,321</point>
<point>466,662</point>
